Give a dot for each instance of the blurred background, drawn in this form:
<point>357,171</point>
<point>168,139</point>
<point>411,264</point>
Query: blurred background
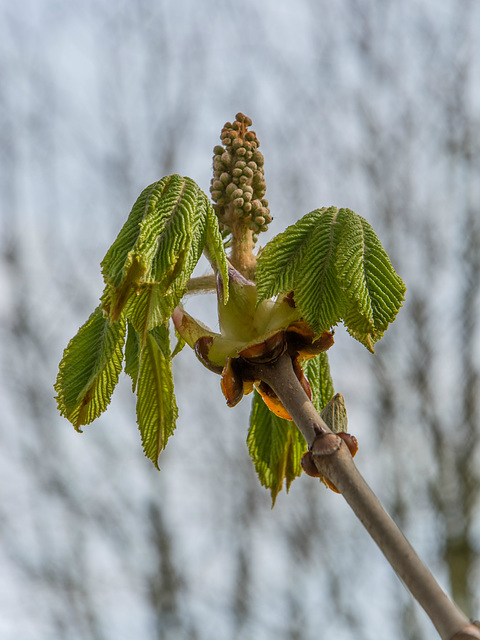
<point>373,106</point>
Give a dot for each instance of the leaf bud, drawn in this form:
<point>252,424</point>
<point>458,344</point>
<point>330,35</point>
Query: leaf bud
<point>218,166</point>
<point>225,178</point>
<point>216,194</point>
<point>242,179</point>
<point>247,171</point>
<point>260,221</point>
<point>218,150</point>
<point>247,196</point>
<point>216,184</point>
<point>238,202</point>
<point>247,207</point>
<point>240,164</point>
<point>243,152</point>
<point>248,155</point>
<point>237,173</point>
<point>238,193</point>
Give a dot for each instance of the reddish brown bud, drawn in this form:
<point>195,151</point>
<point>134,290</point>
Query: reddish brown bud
<point>266,351</point>
<point>350,441</point>
<point>232,383</point>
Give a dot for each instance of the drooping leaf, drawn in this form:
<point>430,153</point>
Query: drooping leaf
<point>275,446</point>
<point>317,371</point>
<point>132,354</point>
<point>317,293</point>
<point>179,346</point>
<point>378,284</point>
<point>120,267</point>
<point>90,368</point>
<point>215,248</point>
<point>149,264</point>
<point>156,406</point>
<point>279,259</point>
<point>338,270</point>
<point>148,309</point>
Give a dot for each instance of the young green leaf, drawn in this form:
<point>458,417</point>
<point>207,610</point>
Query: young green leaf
<point>157,250</point>
<point>132,354</point>
<point>275,446</point>
<point>214,248</point>
<point>120,269</point>
<point>338,270</point>
<point>318,374</point>
<point>378,293</point>
<point>90,368</point>
<point>279,259</point>
<point>156,406</point>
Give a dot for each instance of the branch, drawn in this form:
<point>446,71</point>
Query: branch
<point>334,461</point>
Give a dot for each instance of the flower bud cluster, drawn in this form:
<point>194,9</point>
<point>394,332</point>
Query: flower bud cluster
<point>238,185</point>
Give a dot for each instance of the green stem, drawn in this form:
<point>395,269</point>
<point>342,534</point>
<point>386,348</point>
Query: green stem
<point>334,461</point>
<point>202,284</point>
<point>242,246</point>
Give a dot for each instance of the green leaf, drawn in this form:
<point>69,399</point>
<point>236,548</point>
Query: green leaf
<point>275,446</point>
<point>215,248</point>
<point>318,374</point>
<point>338,270</point>
<point>279,259</point>
<point>317,293</point>
<point>378,293</point>
<point>156,406</point>
<point>132,354</point>
<point>119,267</point>
<point>89,369</point>
<point>149,264</point>
<point>148,309</point>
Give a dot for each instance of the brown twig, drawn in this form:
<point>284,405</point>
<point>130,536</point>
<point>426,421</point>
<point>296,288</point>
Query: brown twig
<point>334,461</point>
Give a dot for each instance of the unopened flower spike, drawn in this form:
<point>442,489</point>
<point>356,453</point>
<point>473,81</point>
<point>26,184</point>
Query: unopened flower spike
<point>238,191</point>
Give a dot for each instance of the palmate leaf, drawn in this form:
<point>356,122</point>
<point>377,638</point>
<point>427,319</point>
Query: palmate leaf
<point>148,266</point>
<point>276,447</point>
<point>90,368</point>
<point>338,270</point>
<point>156,406</point>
